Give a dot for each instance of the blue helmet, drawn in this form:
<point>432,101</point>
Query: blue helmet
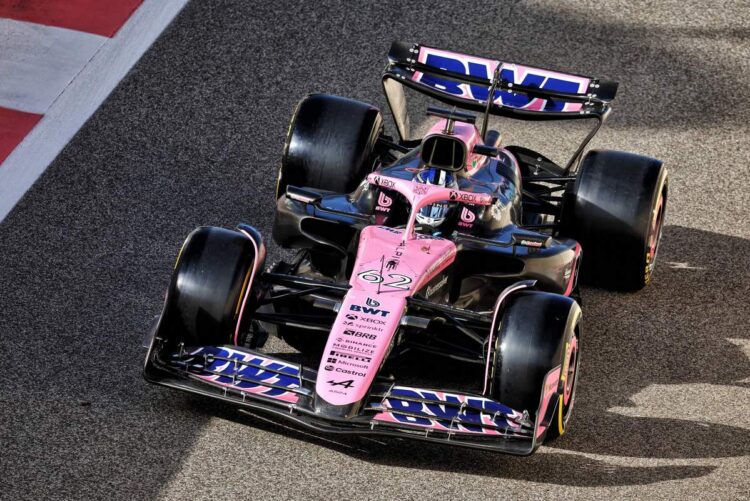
<point>433,215</point>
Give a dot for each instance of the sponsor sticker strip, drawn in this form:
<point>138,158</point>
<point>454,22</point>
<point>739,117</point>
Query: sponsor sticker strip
<point>242,372</point>
<point>448,412</point>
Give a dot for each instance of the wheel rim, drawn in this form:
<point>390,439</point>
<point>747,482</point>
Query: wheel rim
<point>654,236</point>
<point>565,404</point>
<point>570,374</point>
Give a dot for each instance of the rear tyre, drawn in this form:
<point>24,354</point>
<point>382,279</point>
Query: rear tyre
<point>538,333</point>
<point>211,276</point>
<point>616,211</point>
<point>330,144</point>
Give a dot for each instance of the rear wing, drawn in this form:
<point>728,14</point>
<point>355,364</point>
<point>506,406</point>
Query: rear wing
<point>465,81</point>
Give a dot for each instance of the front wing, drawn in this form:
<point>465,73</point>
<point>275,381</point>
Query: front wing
<point>277,387</point>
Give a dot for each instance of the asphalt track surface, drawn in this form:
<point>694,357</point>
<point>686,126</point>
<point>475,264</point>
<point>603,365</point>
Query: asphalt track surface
<point>193,136</point>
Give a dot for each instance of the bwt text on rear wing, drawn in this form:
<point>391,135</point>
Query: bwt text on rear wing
<point>466,81</point>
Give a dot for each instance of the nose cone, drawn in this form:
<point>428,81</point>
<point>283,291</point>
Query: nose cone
<point>332,411</point>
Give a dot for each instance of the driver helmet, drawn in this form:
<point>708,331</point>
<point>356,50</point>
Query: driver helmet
<point>433,215</point>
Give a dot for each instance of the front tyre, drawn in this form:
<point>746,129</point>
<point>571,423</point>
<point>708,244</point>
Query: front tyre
<point>538,336</point>
<point>213,274</point>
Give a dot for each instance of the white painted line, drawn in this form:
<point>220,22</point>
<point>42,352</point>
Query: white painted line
<point>81,99</point>
<point>37,62</point>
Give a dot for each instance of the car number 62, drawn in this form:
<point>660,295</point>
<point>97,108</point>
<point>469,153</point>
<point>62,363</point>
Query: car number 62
<point>374,277</point>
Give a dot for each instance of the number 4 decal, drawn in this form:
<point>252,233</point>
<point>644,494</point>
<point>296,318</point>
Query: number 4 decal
<point>346,384</point>
<point>374,277</point>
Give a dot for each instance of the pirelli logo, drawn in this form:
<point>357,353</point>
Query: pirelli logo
<point>350,356</point>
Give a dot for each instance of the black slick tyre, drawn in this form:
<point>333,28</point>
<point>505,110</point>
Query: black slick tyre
<point>211,277</point>
<point>330,144</point>
<point>616,212</point>
<point>538,335</point>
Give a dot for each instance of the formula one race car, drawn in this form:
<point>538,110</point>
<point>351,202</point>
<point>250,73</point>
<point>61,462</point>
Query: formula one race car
<point>451,245</point>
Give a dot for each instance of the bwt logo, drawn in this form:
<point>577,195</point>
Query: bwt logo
<point>471,418</point>
<point>370,308</point>
<point>244,376</point>
<point>484,68</point>
<point>384,200</point>
<point>467,216</point>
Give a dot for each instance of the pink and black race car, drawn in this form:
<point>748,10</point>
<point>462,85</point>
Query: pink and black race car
<point>452,245</point>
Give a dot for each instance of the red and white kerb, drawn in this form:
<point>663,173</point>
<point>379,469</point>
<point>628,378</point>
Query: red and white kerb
<point>44,44</point>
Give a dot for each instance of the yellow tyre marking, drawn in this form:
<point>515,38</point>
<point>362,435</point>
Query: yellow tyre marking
<point>560,426</point>
<point>179,254</point>
<point>243,291</point>
<point>566,364</point>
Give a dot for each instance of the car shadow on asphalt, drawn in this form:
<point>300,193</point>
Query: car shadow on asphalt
<point>545,466</point>
<point>674,332</point>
